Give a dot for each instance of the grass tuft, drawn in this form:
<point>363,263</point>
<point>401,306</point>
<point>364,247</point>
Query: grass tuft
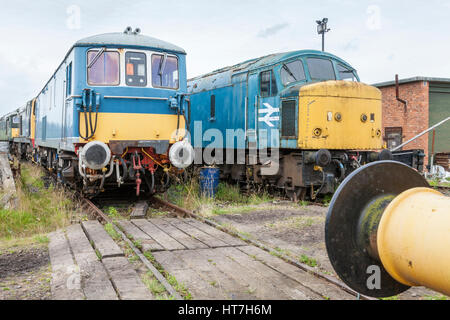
<point>229,198</point>
<point>308,261</point>
<point>112,232</point>
<point>41,210</point>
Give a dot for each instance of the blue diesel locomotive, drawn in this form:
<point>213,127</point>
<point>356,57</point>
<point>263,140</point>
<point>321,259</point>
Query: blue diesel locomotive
<point>297,121</point>
<point>110,113</point>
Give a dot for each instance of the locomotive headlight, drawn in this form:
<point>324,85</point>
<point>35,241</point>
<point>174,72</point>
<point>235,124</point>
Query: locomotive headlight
<point>181,154</point>
<point>95,155</point>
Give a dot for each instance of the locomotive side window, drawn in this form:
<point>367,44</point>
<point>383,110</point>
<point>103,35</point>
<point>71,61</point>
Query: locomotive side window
<point>165,71</point>
<point>213,107</point>
<point>69,80</point>
<point>136,69</point>
<point>268,84</point>
<point>346,73</point>
<point>320,69</point>
<point>288,109</point>
<point>103,68</point>
<point>292,72</point>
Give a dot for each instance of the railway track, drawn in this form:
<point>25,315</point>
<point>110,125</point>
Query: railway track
<point>183,213</point>
<point>93,209</point>
<point>127,197</point>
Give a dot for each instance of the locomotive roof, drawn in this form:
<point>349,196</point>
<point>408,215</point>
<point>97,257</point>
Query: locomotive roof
<point>129,40</point>
<point>222,77</point>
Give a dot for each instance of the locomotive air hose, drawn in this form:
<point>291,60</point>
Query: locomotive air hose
<point>322,186</point>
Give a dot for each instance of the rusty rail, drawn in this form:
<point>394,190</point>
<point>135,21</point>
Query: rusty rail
<point>144,259</point>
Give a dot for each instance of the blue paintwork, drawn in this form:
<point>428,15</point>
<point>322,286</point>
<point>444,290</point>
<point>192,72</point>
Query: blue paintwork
<point>237,90</point>
<point>57,108</point>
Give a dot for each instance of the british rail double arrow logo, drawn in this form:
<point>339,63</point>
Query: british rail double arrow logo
<point>268,118</point>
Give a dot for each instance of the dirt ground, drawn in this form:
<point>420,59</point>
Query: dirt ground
<point>297,231</point>
<point>25,273</point>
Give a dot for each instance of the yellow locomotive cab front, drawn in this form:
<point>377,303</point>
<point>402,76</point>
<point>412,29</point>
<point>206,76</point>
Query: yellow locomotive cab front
<point>340,115</point>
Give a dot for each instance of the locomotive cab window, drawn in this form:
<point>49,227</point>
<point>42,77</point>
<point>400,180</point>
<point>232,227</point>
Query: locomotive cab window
<point>346,73</point>
<point>292,72</point>
<point>268,84</point>
<point>320,69</point>
<point>165,71</point>
<point>136,69</point>
<point>103,68</point>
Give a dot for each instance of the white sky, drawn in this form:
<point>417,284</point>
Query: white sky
<point>379,38</point>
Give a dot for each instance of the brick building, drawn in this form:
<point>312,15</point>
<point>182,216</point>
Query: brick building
<point>428,103</point>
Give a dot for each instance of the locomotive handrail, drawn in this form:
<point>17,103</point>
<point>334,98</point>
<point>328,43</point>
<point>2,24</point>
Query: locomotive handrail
<point>138,98</point>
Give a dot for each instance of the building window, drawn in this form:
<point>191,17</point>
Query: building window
<point>394,137</point>
<point>268,84</point>
<point>136,69</point>
<point>103,68</point>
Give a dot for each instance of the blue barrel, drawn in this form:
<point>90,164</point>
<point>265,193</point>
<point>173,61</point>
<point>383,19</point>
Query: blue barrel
<point>209,181</point>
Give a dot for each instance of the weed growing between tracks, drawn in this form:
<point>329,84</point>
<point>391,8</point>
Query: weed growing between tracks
<point>42,208</point>
<point>229,199</point>
<point>179,287</point>
<point>155,287</point>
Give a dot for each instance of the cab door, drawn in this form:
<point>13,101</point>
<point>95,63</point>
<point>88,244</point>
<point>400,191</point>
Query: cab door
<point>252,110</point>
<point>268,111</point>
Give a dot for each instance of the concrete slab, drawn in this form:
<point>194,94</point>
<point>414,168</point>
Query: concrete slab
<point>319,286</point>
<point>94,279</point>
<point>187,240</point>
<point>66,278</point>
<point>225,237</point>
<point>196,233</point>
<point>148,244</point>
<point>101,239</point>
<point>166,241</point>
<point>139,210</point>
<point>126,280</point>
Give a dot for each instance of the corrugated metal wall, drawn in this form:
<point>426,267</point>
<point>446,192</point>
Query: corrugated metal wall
<point>439,110</point>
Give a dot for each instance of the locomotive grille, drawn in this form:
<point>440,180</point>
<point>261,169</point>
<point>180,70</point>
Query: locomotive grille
<point>288,119</point>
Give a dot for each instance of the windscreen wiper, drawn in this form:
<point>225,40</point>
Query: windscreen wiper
<point>162,66</point>
<point>289,71</point>
<point>96,57</point>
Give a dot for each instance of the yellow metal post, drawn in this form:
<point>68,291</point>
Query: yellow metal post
<point>414,239</point>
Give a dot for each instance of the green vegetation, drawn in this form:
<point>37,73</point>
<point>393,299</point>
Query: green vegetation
<point>112,232</point>
<point>153,284</point>
<point>437,183</point>
<point>437,297</point>
<point>40,210</point>
<point>391,298</point>
<point>308,261</point>
<point>296,222</point>
<point>41,239</point>
<point>229,199</point>
<point>179,287</point>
